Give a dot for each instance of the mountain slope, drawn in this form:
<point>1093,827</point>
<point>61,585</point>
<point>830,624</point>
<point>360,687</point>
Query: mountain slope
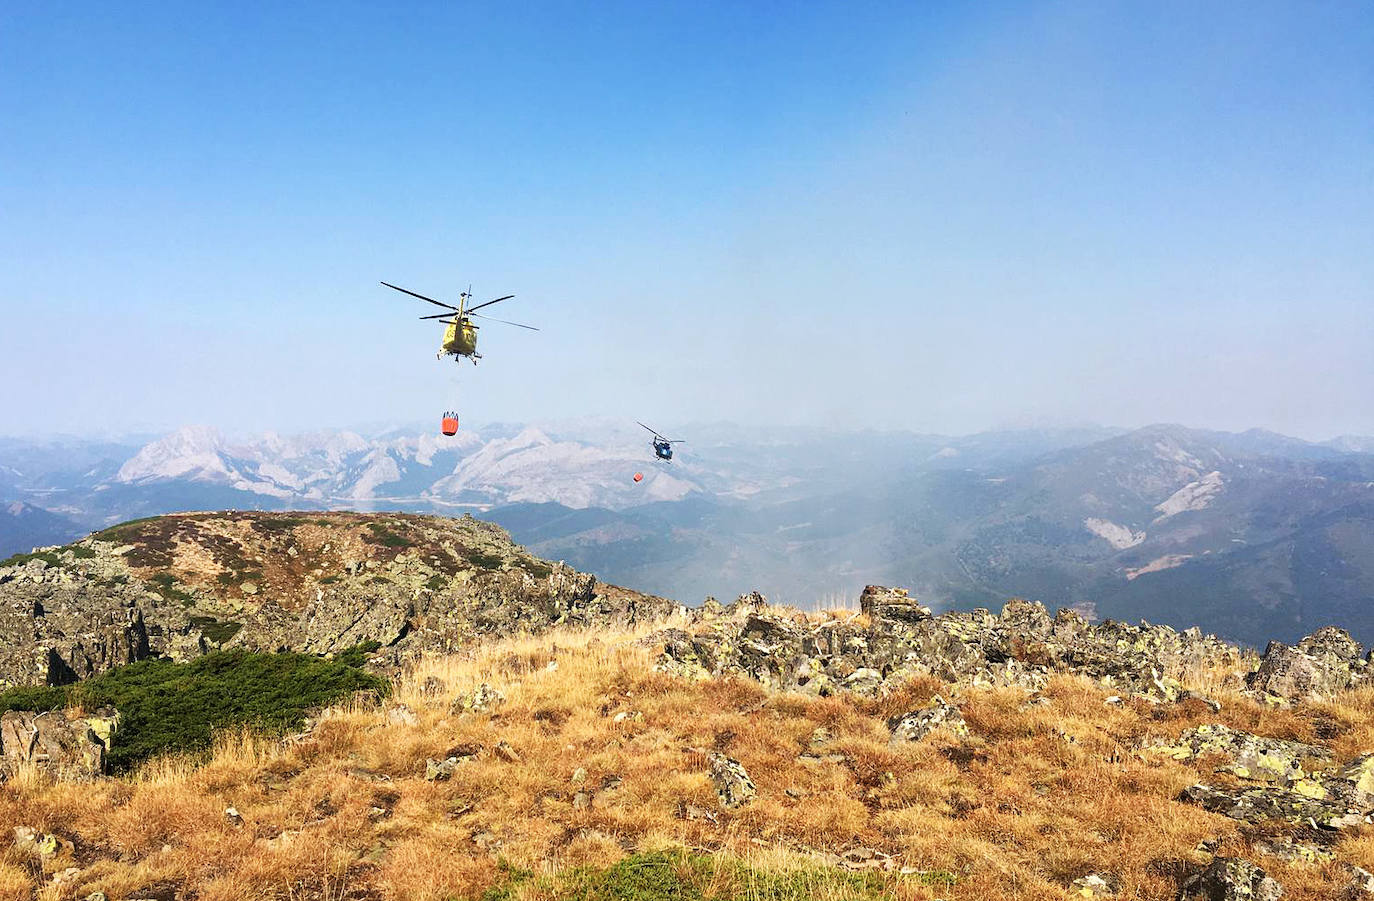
<point>177,586</point>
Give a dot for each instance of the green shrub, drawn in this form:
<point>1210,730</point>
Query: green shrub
<point>52,558</point>
<point>166,706</point>
<point>166,586</point>
<point>483,560</point>
<point>216,631</point>
<point>33,697</point>
<point>380,534</point>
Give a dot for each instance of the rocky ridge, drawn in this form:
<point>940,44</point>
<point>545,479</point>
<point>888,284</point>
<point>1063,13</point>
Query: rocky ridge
<point>893,638</point>
<point>180,585</point>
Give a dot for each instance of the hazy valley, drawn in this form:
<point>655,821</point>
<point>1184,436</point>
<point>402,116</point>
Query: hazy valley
<point>1252,535</point>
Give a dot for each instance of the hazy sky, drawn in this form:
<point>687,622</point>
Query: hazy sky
<point>942,217</point>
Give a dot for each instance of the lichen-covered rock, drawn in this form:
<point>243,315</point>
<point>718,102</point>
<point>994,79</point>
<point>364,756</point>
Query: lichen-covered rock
<point>1095,885</point>
<point>1231,879</point>
<point>29,842</point>
<point>1323,663</point>
<point>916,725</point>
<point>1259,805</point>
<point>67,746</point>
<point>1360,884</point>
<point>1251,757</point>
<point>891,604</point>
<point>896,639</point>
<point>732,782</point>
<point>480,700</point>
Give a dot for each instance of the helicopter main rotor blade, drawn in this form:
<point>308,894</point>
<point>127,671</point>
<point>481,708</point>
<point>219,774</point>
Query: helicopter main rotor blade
<point>490,302</point>
<point>656,434</point>
<point>506,321</point>
<point>437,316</point>
<point>421,296</point>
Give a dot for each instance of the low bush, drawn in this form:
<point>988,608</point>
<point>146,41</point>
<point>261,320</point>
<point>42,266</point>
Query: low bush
<point>166,706</point>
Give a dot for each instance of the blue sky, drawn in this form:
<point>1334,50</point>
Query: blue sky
<point>942,217</point>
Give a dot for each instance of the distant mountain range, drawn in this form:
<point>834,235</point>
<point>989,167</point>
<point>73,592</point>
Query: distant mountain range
<point>1253,535</point>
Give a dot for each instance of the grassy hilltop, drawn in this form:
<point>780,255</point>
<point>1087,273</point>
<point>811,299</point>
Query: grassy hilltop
<point>589,761</point>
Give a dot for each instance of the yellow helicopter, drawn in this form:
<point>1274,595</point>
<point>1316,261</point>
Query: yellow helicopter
<point>460,338</point>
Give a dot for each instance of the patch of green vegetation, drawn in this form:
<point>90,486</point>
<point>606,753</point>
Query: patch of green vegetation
<point>435,582</point>
<point>166,586</point>
<point>215,630</point>
<point>357,655</point>
<point>539,569</point>
<point>226,578</point>
<point>271,524</point>
<point>379,580</point>
<point>483,560</point>
<point>512,877</point>
<point>380,534</point>
<point>177,707</point>
<point>330,580</point>
<point>33,697</point>
<point>120,532</point>
<point>81,553</point>
<point>682,876</point>
<point>52,558</point>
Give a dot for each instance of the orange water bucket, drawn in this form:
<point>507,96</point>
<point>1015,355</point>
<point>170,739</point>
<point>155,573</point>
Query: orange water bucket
<point>449,425</point>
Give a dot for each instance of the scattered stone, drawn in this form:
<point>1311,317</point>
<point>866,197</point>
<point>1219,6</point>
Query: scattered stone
<point>1095,885</point>
<point>1284,848</point>
<point>579,776</point>
<point>865,859</point>
<point>440,770</point>
<point>688,811</point>
<point>1361,882</point>
<point>914,726</point>
<point>507,753</point>
<point>732,782</point>
<point>821,736</point>
<point>581,800</point>
<point>1251,757</point>
<point>1231,879</point>
<point>432,686</point>
<point>480,700</point>
<point>231,816</point>
<point>401,715</point>
<point>44,845</point>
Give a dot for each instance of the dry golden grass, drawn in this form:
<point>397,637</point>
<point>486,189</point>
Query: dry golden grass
<point>1042,793</point>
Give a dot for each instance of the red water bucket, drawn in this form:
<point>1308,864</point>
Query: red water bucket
<point>449,425</point>
<point>639,477</point>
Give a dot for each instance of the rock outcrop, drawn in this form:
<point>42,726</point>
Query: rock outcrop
<point>178,586</point>
<point>1324,662</point>
<point>1231,879</point>
<point>893,638</point>
<point>65,744</point>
